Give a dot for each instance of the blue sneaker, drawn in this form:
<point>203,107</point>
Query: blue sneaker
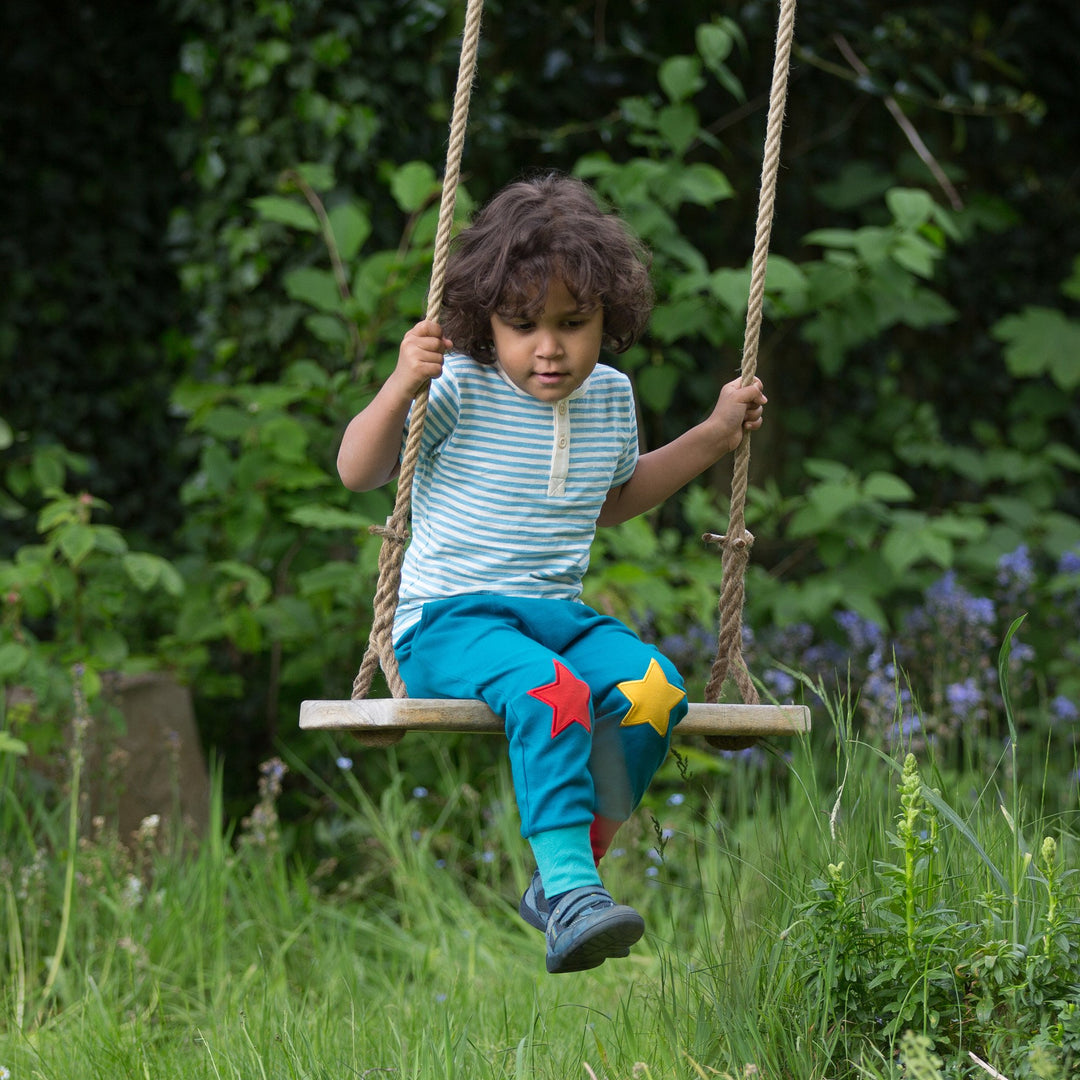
<point>534,906</point>
<point>586,927</point>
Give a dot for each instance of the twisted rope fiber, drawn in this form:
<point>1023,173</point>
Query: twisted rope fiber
<point>737,542</point>
<point>395,533</point>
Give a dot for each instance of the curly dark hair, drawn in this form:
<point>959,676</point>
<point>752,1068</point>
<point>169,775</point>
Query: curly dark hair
<point>540,228</point>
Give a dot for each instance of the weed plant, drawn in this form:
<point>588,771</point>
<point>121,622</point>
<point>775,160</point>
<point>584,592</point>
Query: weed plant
<point>826,910</point>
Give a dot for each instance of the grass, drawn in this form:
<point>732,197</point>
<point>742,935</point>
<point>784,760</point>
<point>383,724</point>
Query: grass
<point>799,927</point>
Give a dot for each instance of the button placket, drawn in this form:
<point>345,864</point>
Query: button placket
<point>560,454</point>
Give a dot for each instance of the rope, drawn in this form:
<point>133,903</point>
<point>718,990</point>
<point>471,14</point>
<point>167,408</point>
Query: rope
<point>737,542</point>
<point>395,533</point>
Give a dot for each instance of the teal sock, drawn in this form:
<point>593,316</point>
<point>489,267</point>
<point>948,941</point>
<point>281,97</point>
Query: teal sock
<point>564,858</point>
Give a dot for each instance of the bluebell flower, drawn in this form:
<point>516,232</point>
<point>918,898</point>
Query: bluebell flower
<point>677,799</point>
<point>1015,571</point>
<point>419,792</point>
<point>964,697</point>
<point>344,763</point>
<point>1020,653</point>
<point>863,634</point>
<point>1064,710</point>
<point>909,726</point>
<point>779,682</point>
<point>1069,563</point>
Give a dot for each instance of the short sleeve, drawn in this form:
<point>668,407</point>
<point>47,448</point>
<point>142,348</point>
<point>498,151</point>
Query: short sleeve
<point>627,462</point>
<point>444,407</point>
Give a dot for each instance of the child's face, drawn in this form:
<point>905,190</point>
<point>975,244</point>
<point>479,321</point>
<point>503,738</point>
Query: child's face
<point>551,354</point>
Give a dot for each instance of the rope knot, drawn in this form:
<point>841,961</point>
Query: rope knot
<point>395,534</point>
<point>737,543</point>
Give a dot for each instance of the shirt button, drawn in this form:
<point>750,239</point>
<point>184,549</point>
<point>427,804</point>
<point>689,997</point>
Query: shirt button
<point>562,406</point>
<point>562,441</point>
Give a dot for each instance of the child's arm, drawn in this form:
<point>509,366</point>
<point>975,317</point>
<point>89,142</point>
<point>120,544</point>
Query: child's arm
<point>371,445</point>
<point>661,472</point>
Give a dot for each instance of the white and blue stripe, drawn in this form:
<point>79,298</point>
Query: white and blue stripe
<point>508,488</point>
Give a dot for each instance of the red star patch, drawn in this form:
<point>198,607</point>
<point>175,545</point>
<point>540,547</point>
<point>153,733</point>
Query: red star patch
<point>568,697</point>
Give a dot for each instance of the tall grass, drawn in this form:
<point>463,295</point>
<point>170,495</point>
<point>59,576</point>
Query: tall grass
<point>807,907</point>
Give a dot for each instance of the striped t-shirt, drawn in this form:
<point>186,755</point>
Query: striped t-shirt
<point>507,488</point>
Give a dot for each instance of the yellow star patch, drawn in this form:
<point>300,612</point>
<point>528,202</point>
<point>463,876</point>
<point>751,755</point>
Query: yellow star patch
<point>651,699</point>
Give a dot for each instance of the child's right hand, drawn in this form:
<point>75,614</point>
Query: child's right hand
<point>420,357</point>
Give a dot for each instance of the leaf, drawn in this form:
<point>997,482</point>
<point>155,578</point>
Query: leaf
<point>147,571</point>
<point>351,227</point>
<point>917,255</point>
<point>911,539</point>
<point>329,329</point>
<point>317,175</point>
<point>888,488</point>
<point>285,211</point>
<point>1070,287</point>
<point>13,658</point>
<point>413,185</point>
<point>76,542</point>
<point>831,238</point>
<point>256,586</point>
<point>680,77</point>
<point>143,568</point>
<point>328,518</point>
<point>714,42</point>
<point>7,437</point>
<point>10,745</point>
<point>679,125</point>
<point>910,207</point>
<point>1041,341</point>
<point>315,287</point>
<point>656,385</point>
<point>731,287</point>
<point>703,184</point>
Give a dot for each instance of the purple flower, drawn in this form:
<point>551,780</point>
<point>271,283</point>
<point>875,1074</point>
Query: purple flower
<point>1015,571</point>
<point>963,697</point>
<point>779,682</point>
<point>1064,710</point>
<point>1070,562</point>
<point>864,635</point>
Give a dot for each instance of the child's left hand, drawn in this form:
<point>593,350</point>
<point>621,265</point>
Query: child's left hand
<point>738,409</point>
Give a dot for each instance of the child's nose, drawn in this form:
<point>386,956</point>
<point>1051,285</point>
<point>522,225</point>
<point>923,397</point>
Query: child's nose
<point>548,344</point>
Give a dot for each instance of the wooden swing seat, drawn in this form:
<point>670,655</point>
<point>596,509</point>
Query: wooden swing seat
<point>383,721</point>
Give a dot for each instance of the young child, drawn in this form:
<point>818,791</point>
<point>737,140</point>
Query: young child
<point>528,444</point>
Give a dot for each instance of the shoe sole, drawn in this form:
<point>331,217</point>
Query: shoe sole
<point>609,938</point>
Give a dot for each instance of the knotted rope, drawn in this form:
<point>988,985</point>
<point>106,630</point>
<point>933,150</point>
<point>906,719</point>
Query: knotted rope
<point>395,533</point>
<point>737,542</point>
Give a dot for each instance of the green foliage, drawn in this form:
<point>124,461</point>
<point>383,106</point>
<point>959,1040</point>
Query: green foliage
<point>272,562</point>
<point>80,599</point>
<point>891,946</point>
<point>352,910</point>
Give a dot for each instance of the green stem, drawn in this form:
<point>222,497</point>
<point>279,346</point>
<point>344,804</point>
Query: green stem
<point>69,882</point>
